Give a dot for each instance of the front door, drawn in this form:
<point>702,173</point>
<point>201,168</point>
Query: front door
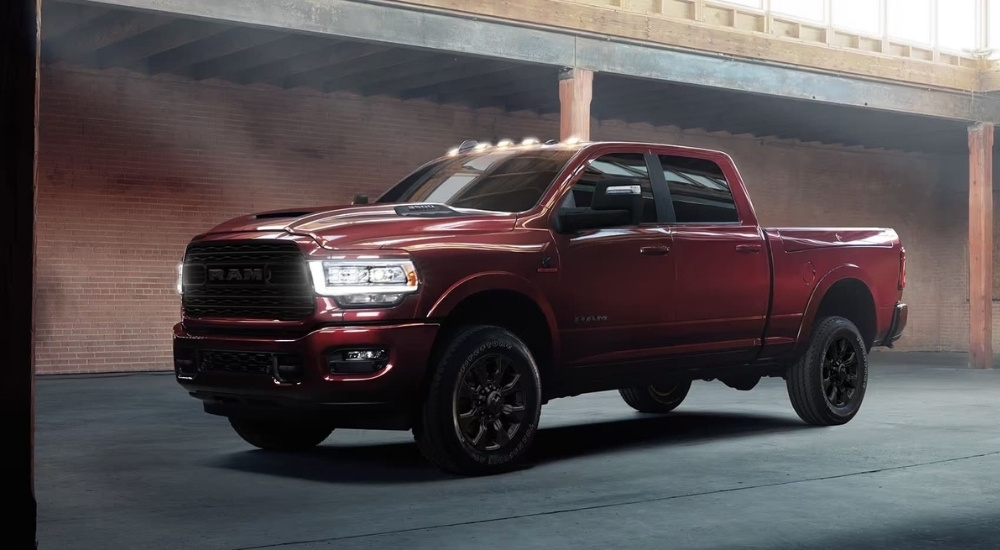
<point>613,303</point>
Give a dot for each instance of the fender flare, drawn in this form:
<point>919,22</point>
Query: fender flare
<point>494,281</point>
<point>824,284</point>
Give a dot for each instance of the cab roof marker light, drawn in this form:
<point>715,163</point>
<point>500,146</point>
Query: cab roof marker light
<point>529,141</point>
<point>481,146</point>
<point>505,143</point>
<point>467,145</point>
<point>453,151</point>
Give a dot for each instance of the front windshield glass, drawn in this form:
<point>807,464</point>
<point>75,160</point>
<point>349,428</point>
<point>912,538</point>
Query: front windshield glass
<point>499,180</point>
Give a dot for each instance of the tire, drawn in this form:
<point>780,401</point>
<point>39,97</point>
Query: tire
<point>828,383</point>
<point>654,399</point>
<point>456,430</point>
<point>280,435</point>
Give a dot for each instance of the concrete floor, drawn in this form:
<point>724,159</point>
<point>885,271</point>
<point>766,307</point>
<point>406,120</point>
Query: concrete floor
<point>131,462</point>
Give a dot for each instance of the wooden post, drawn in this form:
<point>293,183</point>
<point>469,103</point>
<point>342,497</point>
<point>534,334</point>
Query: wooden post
<point>981,245</point>
<point>576,88</point>
<point>19,62</point>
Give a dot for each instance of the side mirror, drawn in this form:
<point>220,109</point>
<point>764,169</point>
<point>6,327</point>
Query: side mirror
<point>360,199</point>
<point>615,203</point>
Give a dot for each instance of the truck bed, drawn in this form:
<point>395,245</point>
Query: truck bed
<point>806,262</point>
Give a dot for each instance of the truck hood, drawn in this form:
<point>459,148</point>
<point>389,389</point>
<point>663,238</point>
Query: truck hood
<point>372,226</point>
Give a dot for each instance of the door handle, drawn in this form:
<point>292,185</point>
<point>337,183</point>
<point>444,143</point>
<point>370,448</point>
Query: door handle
<point>748,248</point>
<point>655,250</point>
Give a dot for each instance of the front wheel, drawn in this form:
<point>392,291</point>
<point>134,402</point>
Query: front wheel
<point>828,383</point>
<point>280,435</point>
<point>481,411</point>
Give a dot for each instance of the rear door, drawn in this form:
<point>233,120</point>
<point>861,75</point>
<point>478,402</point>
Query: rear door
<point>613,304</point>
<point>722,269</point>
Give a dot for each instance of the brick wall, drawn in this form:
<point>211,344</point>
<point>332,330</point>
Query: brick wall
<point>131,167</point>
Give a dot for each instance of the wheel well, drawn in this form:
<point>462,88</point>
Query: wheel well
<point>508,309</point>
<point>851,299</point>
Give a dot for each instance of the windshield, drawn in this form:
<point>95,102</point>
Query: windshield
<point>498,180</point>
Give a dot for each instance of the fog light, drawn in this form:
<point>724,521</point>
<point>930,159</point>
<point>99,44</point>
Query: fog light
<point>357,361</point>
<point>363,354</point>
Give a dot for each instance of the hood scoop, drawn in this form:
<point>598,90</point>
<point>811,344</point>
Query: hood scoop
<point>426,211</point>
<point>280,215</point>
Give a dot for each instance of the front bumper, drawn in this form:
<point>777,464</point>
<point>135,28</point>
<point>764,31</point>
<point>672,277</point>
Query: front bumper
<point>382,399</point>
<point>897,325</point>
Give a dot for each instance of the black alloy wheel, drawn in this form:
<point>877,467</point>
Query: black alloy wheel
<point>840,372</point>
<point>656,398</point>
<point>490,403</point>
<point>480,412</point>
<point>664,392</point>
<point>828,382</point>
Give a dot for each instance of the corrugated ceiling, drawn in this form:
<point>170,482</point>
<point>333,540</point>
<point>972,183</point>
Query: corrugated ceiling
<point>102,38</point>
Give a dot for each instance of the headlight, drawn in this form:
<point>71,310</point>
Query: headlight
<point>359,283</point>
<point>180,278</point>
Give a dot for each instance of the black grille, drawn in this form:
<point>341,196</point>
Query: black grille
<point>247,280</point>
<point>236,362</point>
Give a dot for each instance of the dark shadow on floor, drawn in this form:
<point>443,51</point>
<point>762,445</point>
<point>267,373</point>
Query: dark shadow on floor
<point>402,462</point>
<point>646,431</point>
<point>385,463</point>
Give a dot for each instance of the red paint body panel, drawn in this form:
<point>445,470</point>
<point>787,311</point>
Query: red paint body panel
<point>809,261</point>
<point>725,275</point>
<point>662,295</point>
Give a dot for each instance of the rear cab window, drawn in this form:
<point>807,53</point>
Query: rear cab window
<point>699,191</point>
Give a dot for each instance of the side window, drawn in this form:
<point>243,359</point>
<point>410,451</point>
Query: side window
<point>617,166</point>
<point>699,190</point>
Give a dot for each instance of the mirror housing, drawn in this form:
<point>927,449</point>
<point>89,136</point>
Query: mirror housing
<point>616,202</point>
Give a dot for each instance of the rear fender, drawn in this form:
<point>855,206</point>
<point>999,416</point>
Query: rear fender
<point>832,277</point>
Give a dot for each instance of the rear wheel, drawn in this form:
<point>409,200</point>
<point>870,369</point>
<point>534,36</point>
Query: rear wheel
<point>481,411</point>
<point>280,435</point>
<point>657,398</point>
<point>828,383</point>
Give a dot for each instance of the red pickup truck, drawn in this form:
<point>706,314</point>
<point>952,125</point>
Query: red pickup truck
<point>498,277</point>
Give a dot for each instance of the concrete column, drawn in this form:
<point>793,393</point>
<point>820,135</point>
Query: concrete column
<point>19,47</point>
<point>576,89</point>
<point>981,245</point>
